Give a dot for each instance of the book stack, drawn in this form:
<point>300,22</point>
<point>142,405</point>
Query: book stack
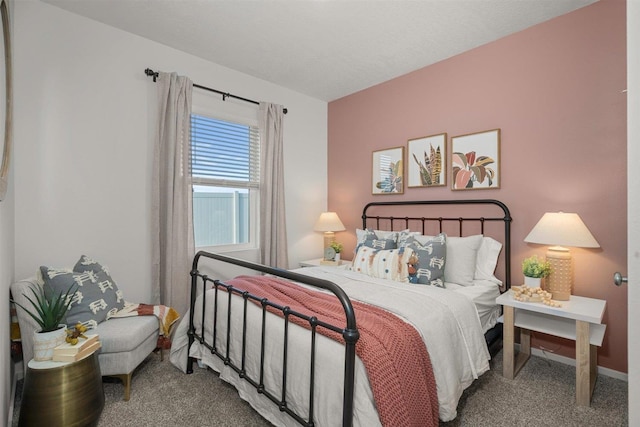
<point>70,353</point>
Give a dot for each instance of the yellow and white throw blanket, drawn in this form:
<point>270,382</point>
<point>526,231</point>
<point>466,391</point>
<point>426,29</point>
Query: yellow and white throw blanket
<point>167,316</point>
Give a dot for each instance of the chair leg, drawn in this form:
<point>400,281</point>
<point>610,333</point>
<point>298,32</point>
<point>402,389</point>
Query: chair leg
<point>161,351</point>
<point>126,381</point>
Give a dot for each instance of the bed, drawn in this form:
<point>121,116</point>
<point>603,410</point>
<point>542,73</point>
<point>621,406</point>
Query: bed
<point>297,363</point>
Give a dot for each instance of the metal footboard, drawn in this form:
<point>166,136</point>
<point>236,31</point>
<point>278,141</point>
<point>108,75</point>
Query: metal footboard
<point>348,331</point>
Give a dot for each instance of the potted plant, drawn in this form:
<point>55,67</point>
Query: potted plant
<point>49,312</point>
<point>338,248</point>
<point>534,270</point>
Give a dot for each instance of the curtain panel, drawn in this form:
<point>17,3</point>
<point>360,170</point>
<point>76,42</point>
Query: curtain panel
<point>273,233</point>
<point>173,246</point>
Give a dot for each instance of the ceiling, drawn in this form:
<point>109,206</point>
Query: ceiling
<point>326,49</point>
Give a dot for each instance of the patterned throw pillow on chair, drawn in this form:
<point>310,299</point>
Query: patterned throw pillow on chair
<point>97,297</point>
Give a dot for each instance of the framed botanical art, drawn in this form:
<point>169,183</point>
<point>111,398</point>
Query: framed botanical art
<point>427,161</point>
<point>388,171</point>
<point>475,161</point>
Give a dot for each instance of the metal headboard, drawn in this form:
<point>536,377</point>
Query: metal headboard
<point>404,222</point>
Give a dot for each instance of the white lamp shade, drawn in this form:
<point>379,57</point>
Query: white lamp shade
<point>562,229</point>
<point>329,221</point>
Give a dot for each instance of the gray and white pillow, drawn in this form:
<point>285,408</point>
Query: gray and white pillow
<point>96,298</point>
<point>375,239</point>
<point>111,294</point>
<point>427,261</point>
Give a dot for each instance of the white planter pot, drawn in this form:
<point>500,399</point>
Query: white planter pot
<point>337,257</point>
<point>45,342</point>
<point>533,282</point>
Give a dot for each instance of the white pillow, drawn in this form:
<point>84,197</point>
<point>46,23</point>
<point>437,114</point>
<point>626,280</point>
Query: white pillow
<point>487,260</point>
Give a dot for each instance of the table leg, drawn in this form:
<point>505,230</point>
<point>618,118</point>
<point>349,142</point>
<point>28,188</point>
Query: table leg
<point>586,364</point>
<point>512,362</point>
<point>508,341</point>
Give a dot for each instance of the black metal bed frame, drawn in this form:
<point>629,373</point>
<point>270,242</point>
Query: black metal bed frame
<point>407,221</point>
<point>349,331</point>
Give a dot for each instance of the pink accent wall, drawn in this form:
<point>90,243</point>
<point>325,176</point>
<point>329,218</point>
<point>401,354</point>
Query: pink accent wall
<point>555,91</point>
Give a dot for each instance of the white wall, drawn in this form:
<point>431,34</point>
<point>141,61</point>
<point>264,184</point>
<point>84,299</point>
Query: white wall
<point>85,115</point>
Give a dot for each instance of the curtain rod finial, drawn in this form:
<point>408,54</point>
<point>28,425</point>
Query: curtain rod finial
<point>149,72</point>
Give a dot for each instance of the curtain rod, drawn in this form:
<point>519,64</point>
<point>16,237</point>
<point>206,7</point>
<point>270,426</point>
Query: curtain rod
<point>149,72</point>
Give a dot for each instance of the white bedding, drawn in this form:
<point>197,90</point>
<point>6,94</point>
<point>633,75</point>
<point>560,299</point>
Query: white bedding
<point>446,319</point>
<point>483,294</point>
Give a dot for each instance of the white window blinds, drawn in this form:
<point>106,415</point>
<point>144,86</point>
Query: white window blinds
<point>224,153</point>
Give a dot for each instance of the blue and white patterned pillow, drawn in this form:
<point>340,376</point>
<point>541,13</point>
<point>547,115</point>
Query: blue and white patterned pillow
<point>427,261</point>
<point>375,239</point>
<point>97,297</point>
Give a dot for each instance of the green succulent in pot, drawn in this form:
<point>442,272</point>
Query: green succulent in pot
<point>535,267</point>
<point>49,311</point>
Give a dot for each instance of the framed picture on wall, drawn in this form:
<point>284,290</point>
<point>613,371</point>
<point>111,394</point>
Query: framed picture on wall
<point>475,161</point>
<point>388,171</point>
<point>427,161</point>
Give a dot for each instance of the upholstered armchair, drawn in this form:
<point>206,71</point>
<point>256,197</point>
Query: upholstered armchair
<point>126,341</point>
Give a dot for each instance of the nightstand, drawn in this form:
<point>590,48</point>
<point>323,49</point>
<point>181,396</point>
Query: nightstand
<point>579,319</point>
<point>318,263</point>
<point>62,393</point>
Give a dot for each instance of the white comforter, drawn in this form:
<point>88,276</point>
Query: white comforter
<point>447,321</point>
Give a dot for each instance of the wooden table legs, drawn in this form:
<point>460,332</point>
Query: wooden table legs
<point>586,364</point>
<point>586,355</point>
<point>512,363</point>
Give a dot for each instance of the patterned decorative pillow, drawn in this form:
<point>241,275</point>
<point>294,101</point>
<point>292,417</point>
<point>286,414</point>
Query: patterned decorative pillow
<point>97,296</point>
<point>111,294</point>
<point>461,258</point>
<point>375,239</point>
<point>427,261</point>
<point>406,237</point>
<point>389,264</point>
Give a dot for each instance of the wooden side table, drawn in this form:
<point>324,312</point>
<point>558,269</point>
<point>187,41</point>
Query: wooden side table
<point>62,393</point>
<point>579,319</point>
<point>318,263</point>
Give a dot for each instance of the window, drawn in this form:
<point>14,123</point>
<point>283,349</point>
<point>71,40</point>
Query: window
<point>225,166</point>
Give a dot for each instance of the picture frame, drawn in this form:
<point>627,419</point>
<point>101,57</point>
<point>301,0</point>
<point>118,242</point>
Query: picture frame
<point>387,171</point>
<point>427,161</point>
<point>475,161</point>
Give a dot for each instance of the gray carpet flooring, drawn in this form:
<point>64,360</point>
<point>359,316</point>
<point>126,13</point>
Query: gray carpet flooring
<point>542,394</point>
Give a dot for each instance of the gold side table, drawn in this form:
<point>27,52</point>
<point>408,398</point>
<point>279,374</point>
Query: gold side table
<point>62,394</point>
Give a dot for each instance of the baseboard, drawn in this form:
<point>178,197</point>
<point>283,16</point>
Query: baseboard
<point>572,362</point>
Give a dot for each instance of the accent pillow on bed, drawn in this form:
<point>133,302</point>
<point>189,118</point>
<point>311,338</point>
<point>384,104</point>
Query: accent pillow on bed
<point>413,263</point>
<point>392,264</point>
<point>376,239</point>
<point>462,254</point>
<point>427,260</point>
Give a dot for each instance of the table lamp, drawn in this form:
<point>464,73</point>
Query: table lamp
<point>561,229</point>
<point>329,222</point>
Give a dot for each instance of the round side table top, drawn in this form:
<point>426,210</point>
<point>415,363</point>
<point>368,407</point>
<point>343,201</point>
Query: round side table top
<point>49,364</point>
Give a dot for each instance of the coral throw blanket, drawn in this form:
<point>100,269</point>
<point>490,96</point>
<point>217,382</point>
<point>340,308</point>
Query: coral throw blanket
<point>167,316</point>
<point>393,352</point>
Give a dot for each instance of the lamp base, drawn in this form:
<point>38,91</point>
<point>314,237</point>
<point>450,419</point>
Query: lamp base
<point>329,238</point>
<point>561,277</point>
